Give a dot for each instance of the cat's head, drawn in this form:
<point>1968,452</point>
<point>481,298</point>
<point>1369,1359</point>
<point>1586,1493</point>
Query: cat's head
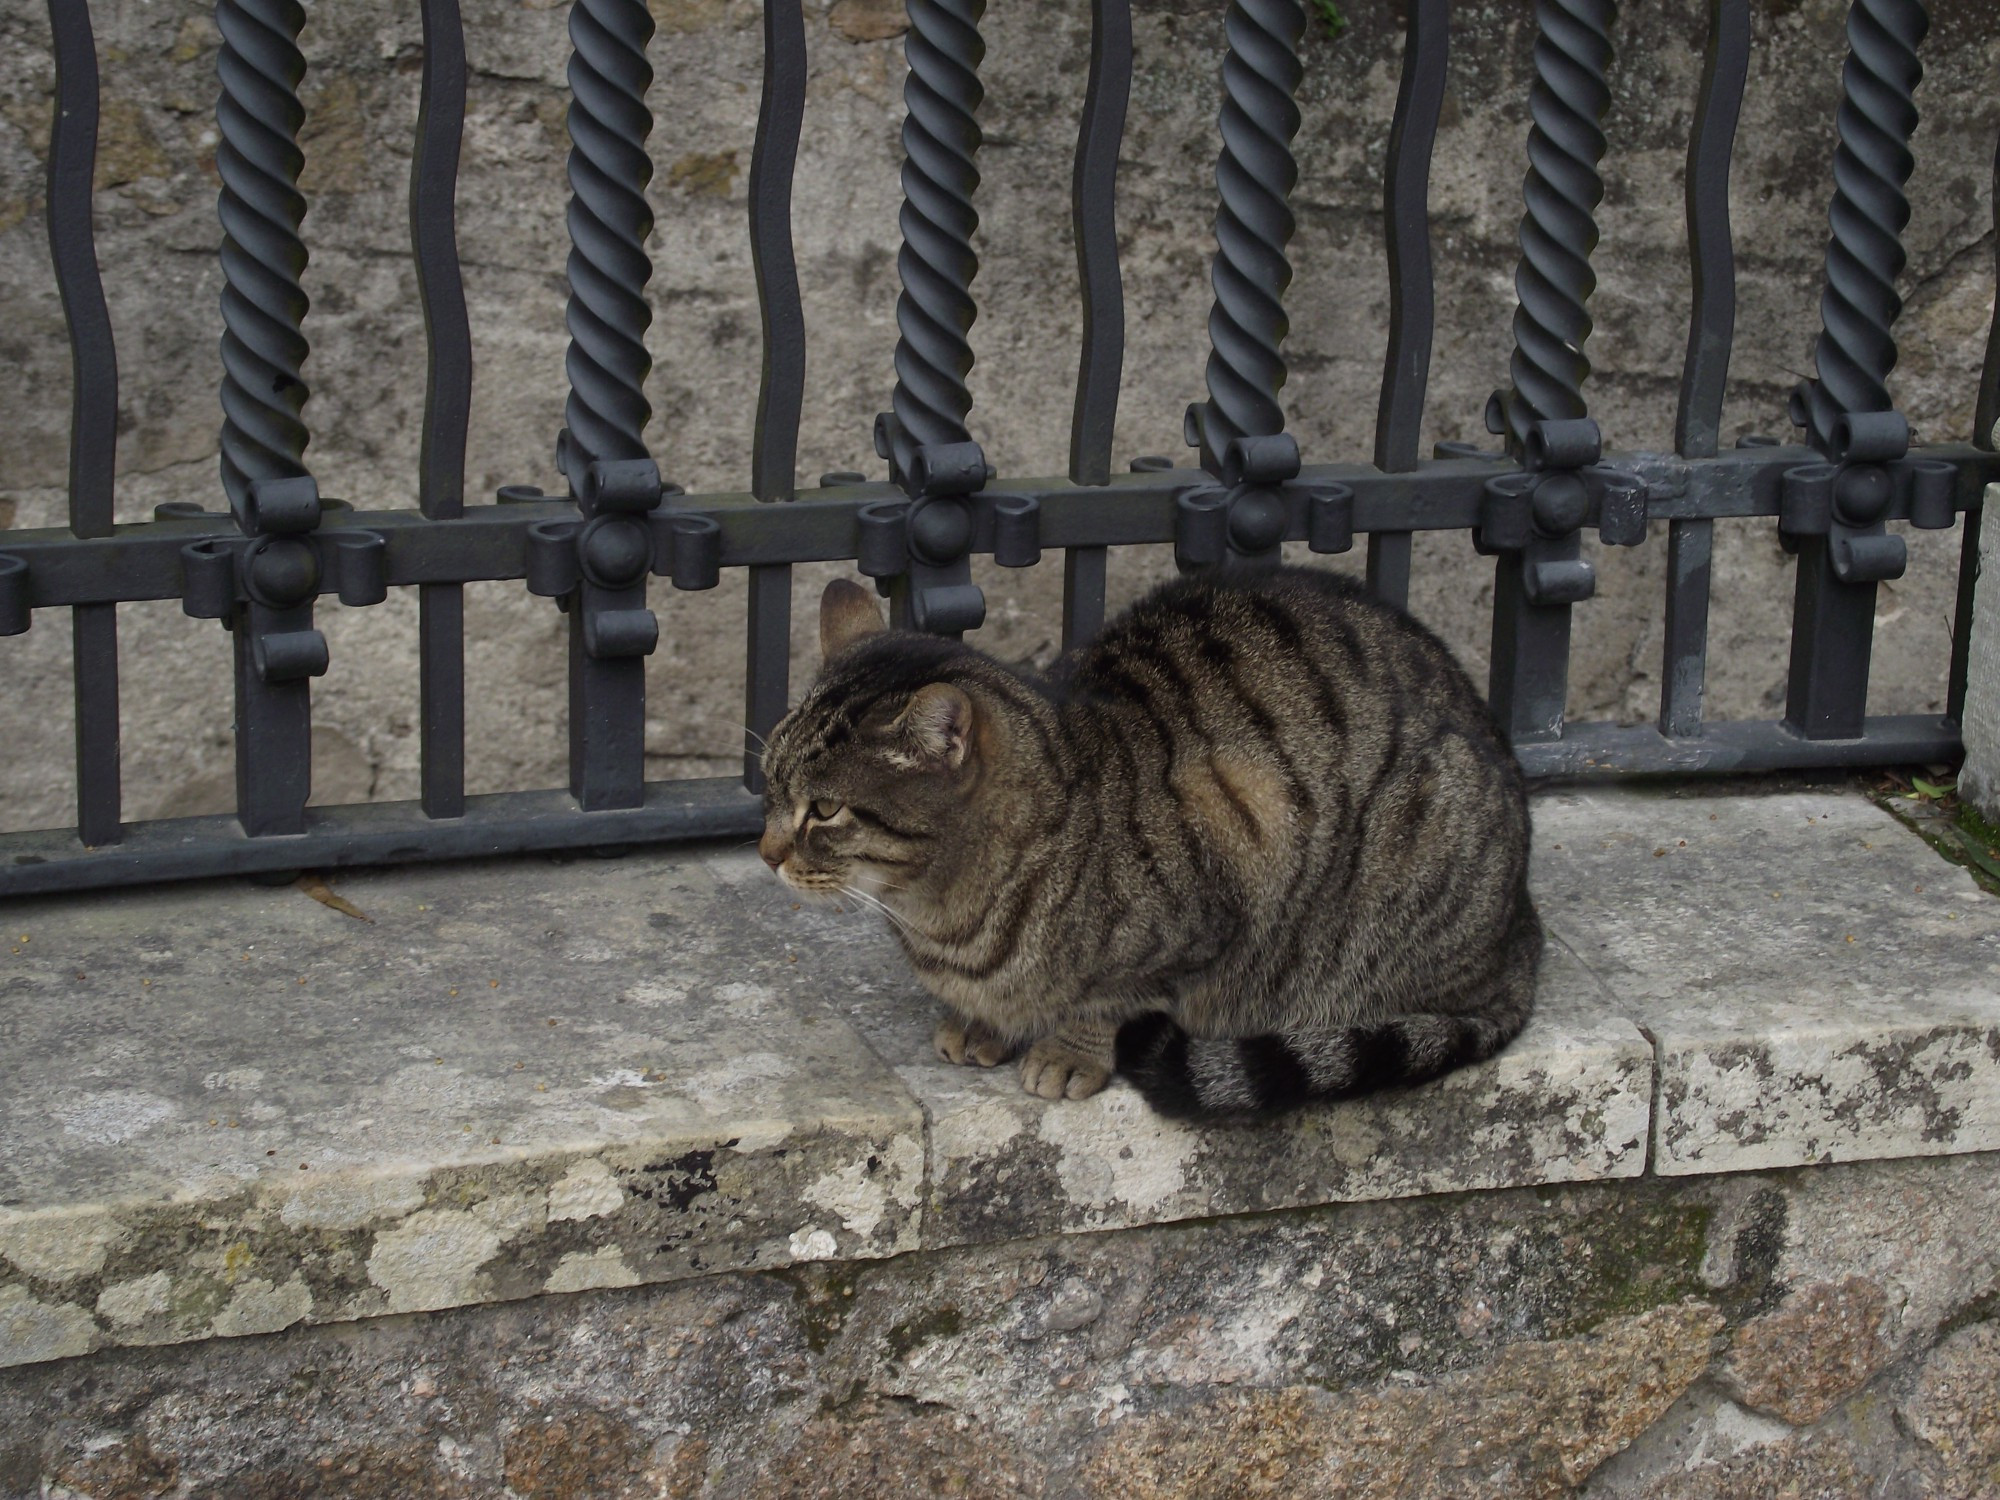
<point>873,776</point>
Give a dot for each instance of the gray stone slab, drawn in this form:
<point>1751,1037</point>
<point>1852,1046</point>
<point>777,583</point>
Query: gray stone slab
<point>1820,984</point>
<point>228,1110</point>
<point>1568,1102</point>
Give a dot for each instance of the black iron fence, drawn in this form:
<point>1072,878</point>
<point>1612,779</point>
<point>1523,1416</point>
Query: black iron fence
<point>276,555</point>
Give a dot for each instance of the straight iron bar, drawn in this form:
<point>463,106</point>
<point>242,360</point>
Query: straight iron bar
<point>143,561</point>
<point>506,823</point>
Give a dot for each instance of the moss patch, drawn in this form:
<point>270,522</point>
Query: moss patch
<point>1645,1260</point>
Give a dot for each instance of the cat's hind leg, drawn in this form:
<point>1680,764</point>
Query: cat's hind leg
<point>1074,1062</point>
<point>974,1044</point>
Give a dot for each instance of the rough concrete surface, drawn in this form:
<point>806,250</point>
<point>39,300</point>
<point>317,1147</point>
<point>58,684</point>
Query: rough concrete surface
<point>1517,1345</point>
<point>233,1110</point>
<point>158,234</point>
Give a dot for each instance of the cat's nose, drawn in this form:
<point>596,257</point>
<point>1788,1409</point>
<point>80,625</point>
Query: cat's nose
<point>773,850</point>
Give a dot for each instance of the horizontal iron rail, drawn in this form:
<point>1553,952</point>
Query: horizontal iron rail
<point>376,833</point>
<point>51,862</point>
<point>1595,751</point>
<point>488,542</point>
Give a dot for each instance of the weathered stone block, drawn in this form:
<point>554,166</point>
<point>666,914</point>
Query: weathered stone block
<point>1333,1351</point>
<point>1820,986</point>
<point>233,1111</point>
<point>1955,1408</point>
<point>1820,1347</point>
<point>261,1111</point>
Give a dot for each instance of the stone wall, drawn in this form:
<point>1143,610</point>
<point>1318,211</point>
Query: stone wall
<point>158,236</point>
<point>1821,1332</point>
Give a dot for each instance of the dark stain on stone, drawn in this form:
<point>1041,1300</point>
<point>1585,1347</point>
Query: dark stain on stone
<point>1903,1081</point>
<point>1752,1055</point>
<point>1760,1244</point>
<point>822,1297</point>
<point>684,1179</point>
<point>1648,1258</point>
<point>939,1323</point>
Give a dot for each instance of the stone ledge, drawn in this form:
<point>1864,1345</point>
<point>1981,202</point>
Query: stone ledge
<point>1821,987</point>
<point>232,1110</point>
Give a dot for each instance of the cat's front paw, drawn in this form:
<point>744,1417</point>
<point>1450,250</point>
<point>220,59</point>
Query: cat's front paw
<point>1054,1069</point>
<point>970,1043</point>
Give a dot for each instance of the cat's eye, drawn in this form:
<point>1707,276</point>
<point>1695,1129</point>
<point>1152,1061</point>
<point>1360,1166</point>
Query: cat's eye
<point>825,809</point>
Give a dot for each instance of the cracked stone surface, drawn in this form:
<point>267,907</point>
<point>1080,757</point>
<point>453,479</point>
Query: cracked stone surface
<point>234,1110</point>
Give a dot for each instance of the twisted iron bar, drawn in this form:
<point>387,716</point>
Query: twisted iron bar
<point>940,140</point>
<point>263,305</point>
<point>608,224</point>
<point>1864,254</point>
<point>1254,177</point>
<point>1554,280</point>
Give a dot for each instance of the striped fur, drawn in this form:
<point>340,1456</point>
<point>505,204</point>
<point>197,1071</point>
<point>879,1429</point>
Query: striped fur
<point>1258,844</point>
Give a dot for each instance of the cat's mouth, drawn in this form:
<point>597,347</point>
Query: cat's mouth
<point>810,882</point>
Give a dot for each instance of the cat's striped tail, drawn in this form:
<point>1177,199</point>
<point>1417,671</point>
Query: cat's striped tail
<point>1185,1076</point>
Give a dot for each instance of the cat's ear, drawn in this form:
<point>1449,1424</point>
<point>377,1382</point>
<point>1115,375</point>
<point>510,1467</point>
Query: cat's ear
<point>846,614</point>
<point>939,722</point>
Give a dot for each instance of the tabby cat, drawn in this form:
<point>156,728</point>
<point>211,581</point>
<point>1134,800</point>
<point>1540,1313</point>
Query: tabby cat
<point>1257,844</point>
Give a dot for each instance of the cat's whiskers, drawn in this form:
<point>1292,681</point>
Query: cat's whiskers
<point>897,917</point>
